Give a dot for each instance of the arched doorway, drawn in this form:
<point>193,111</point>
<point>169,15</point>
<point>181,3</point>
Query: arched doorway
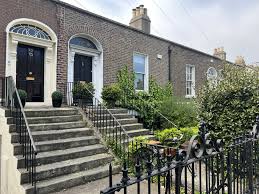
<point>31,59</point>
<point>86,61</point>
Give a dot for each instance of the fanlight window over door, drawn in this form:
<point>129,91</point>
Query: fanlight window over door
<point>31,31</point>
<point>83,42</point>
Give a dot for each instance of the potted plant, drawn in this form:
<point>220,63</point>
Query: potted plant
<point>83,92</point>
<point>111,94</point>
<point>57,97</point>
<point>23,96</point>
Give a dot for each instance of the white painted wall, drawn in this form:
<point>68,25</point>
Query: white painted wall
<point>10,176</point>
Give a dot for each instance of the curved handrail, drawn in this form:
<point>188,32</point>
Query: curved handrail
<point>164,117</point>
<point>24,116</point>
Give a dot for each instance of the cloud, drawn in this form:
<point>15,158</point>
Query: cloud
<point>203,25</point>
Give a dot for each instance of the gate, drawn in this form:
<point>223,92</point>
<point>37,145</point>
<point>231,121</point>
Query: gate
<point>205,166</point>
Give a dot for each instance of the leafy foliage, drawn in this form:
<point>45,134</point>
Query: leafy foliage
<point>83,90</point>
<point>111,94</point>
<point>142,102</point>
<point>181,111</point>
<point>185,133</point>
<point>22,94</point>
<point>230,107</point>
<point>57,95</point>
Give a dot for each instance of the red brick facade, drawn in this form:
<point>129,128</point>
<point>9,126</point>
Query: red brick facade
<point>118,42</point>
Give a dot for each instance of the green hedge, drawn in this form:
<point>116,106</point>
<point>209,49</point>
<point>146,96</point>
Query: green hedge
<point>230,107</point>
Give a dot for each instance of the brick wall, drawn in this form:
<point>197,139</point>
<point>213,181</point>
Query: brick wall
<point>41,10</point>
<point>180,57</point>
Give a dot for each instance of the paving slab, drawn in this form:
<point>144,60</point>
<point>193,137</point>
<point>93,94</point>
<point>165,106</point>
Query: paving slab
<point>96,186</point>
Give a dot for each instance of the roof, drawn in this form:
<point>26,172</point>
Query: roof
<point>133,29</point>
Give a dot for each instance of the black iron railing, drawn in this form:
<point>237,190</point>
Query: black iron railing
<point>12,101</point>
<point>213,168</point>
<point>102,118</point>
<point>146,112</point>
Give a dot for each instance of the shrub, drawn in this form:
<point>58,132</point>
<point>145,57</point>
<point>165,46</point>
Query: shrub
<point>22,94</point>
<point>185,133</point>
<point>181,111</point>
<point>57,95</point>
<point>111,94</point>
<point>142,102</point>
<point>83,90</point>
<point>230,107</point>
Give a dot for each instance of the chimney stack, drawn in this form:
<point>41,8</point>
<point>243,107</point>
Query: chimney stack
<point>140,19</point>
<point>220,53</point>
<point>240,61</point>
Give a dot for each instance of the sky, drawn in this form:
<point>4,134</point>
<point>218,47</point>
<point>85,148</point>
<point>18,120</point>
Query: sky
<point>200,24</point>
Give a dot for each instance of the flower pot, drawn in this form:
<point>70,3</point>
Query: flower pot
<point>56,103</point>
<point>23,101</point>
<point>16,103</point>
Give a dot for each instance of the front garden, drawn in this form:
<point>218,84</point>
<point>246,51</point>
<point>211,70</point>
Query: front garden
<point>227,105</point>
<point>227,139</point>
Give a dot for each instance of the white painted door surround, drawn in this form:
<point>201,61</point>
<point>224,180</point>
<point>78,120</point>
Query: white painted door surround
<point>38,39</point>
<point>97,57</point>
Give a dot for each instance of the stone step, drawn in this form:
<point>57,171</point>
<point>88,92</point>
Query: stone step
<point>48,112</point>
<point>67,167</point>
<point>113,110</point>
<point>133,133</point>
<point>54,119</point>
<point>121,121</point>
<point>67,154</point>
<point>60,144</point>
<point>128,128</point>
<point>51,119</point>
<point>108,116</point>
<point>63,182</point>
<point>56,134</point>
<point>134,126</point>
<point>52,126</point>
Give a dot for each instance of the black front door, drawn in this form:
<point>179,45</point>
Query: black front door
<point>30,72</point>
<point>82,68</point>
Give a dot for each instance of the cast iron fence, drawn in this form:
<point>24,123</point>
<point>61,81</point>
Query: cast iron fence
<point>146,113</point>
<point>12,101</point>
<point>214,168</point>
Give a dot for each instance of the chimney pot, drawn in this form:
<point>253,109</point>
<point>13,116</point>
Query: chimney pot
<point>220,53</point>
<point>137,11</point>
<point>140,19</point>
<point>145,11</point>
<point>133,13</point>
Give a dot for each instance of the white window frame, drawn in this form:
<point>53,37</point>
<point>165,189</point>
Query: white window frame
<point>146,75</point>
<point>192,81</point>
<point>212,79</point>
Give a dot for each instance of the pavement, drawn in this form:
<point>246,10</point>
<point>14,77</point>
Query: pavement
<point>96,186</point>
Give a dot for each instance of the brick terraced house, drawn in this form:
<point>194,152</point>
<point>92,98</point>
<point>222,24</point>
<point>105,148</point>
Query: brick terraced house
<point>55,43</point>
<point>45,44</point>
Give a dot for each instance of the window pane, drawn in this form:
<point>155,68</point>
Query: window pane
<point>188,88</point>
<point>139,63</point>
<point>139,81</point>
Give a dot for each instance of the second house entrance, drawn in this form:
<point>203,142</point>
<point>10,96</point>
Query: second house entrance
<point>83,68</point>
<point>30,72</point>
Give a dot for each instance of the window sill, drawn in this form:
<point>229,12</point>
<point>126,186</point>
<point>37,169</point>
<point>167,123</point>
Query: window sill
<point>190,96</point>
